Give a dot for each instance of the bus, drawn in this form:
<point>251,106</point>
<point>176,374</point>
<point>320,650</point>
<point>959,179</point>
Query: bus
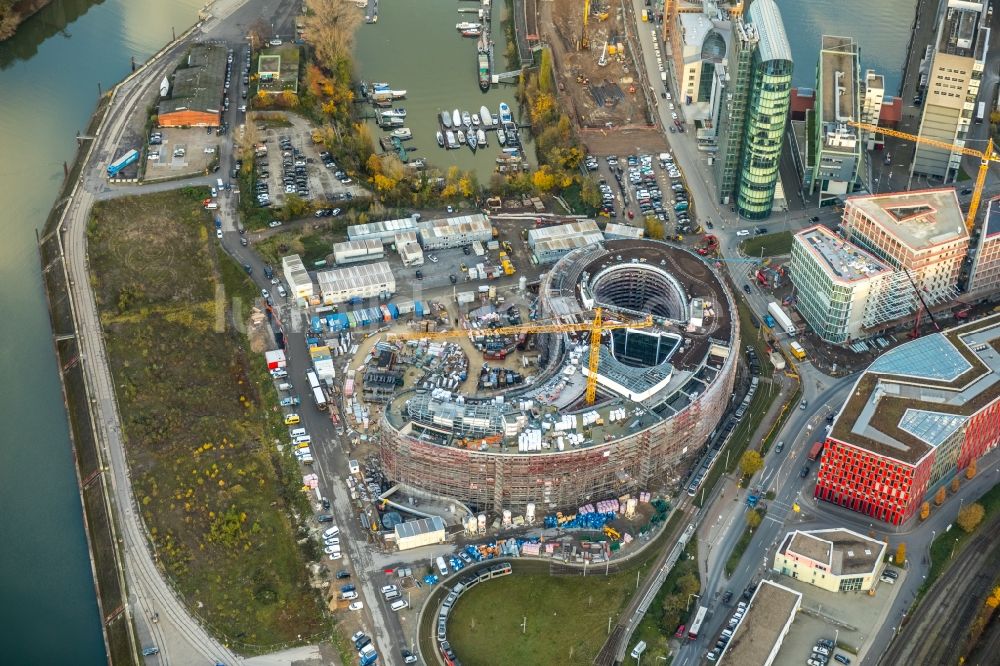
<point>980,112</point>
<point>319,398</point>
<point>313,380</point>
<point>696,625</point>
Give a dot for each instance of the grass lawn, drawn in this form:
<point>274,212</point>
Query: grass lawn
<point>737,553</point>
<point>567,618</point>
<point>945,544</point>
<point>200,420</point>
<point>771,244</point>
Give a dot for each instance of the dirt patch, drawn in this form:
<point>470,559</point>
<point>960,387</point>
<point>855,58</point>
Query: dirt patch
<point>633,140</point>
<point>598,85</point>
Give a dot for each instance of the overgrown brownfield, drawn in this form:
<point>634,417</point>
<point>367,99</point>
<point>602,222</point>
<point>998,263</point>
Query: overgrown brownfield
<point>199,419</point>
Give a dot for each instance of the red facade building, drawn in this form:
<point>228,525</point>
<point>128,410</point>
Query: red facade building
<point>917,417</point>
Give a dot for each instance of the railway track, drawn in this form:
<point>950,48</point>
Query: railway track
<point>942,621</point>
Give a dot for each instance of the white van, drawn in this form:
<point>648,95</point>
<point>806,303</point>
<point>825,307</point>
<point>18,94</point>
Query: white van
<point>639,648</point>
<point>295,432</point>
<point>303,439</point>
<point>353,466</point>
<point>220,185</point>
<point>282,292</point>
<point>284,386</point>
<point>398,605</point>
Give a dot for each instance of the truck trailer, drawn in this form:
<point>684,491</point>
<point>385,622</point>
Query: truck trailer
<point>781,318</point>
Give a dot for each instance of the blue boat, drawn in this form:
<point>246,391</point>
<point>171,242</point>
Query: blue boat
<point>505,115</point>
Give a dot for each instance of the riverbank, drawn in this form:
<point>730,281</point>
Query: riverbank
<point>13,13</point>
<point>98,517</point>
<point>101,522</point>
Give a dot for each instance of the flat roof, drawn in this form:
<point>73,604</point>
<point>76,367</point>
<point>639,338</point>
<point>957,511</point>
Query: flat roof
<point>358,276</point>
<point>874,80</point>
<point>768,615</point>
<point>915,396</point>
<point>842,261</point>
<point>843,551</point>
<point>381,228</point>
<point>837,66</point>
<point>450,226</point>
<point>282,63</point>
<point>957,34</point>
<point>920,219</point>
<point>614,230</point>
<point>562,231</point>
<point>412,528</point>
<point>197,85</point>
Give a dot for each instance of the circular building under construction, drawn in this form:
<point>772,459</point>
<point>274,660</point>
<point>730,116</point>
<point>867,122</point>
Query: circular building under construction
<point>665,372</point>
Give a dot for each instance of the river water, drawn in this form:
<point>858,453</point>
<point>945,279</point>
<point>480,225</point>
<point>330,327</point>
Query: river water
<point>881,28</point>
<point>49,74</point>
<point>415,47</point>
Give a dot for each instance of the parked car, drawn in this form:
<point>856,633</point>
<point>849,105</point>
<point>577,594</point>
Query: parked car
<point>324,517</point>
<point>356,606</point>
<point>804,472</point>
<point>743,232</point>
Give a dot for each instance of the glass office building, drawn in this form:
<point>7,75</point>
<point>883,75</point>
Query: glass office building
<point>767,112</point>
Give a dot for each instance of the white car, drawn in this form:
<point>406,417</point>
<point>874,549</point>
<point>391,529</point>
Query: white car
<point>347,596</point>
<point>331,532</point>
<point>433,258</point>
<point>356,606</point>
<point>274,223</point>
<point>330,550</point>
<point>264,293</point>
<point>389,588</point>
<point>743,232</point>
<point>218,233</point>
<point>335,556</point>
<point>673,115</point>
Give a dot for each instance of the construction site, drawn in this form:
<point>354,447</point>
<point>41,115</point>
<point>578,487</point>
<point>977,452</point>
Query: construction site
<point>606,381</point>
<point>594,63</point>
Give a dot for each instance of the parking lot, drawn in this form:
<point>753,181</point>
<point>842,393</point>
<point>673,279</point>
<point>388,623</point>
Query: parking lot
<point>181,152</point>
<point>636,186</point>
<point>295,165</point>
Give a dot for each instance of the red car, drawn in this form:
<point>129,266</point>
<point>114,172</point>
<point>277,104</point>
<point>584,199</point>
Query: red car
<point>680,631</point>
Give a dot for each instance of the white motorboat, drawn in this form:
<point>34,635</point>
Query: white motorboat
<point>440,139</point>
<point>456,118</point>
<point>505,115</point>
<point>485,117</point>
<point>466,119</point>
<point>475,120</point>
<point>481,138</point>
<point>501,136</point>
<point>402,133</point>
<point>461,137</point>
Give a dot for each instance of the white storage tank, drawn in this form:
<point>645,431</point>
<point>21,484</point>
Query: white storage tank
<point>482,523</point>
<point>506,518</point>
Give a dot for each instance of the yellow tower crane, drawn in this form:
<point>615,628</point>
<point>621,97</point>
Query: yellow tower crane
<point>584,37</point>
<point>596,328</point>
<point>986,157</point>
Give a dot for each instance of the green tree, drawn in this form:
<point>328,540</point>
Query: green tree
<point>751,462</point>
<point>754,518</point>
